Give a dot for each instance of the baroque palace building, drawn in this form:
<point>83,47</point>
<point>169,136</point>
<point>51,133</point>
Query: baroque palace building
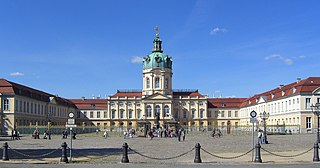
<point>158,105</point>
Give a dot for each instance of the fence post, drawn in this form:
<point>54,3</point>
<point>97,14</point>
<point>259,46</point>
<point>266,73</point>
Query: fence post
<point>125,158</point>
<point>197,158</point>
<point>5,152</point>
<point>316,152</point>
<point>64,157</point>
<point>258,155</point>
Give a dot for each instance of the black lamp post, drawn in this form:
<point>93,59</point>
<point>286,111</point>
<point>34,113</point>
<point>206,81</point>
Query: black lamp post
<point>315,109</point>
<point>264,116</point>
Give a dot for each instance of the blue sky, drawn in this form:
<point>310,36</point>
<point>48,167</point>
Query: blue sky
<point>232,48</point>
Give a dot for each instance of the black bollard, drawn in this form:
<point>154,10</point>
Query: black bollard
<point>258,155</point>
<point>197,158</point>
<point>316,152</point>
<point>125,158</point>
<point>64,157</point>
<point>5,152</point>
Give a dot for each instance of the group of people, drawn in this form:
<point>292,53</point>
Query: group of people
<point>36,134</point>
<point>215,132</point>
<point>15,135</point>
<point>167,133</point>
<point>65,134</point>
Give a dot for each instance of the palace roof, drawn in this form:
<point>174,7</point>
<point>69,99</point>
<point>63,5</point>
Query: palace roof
<point>90,103</point>
<point>225,102</point>
<point>11,88</point>
<point>299,87</point>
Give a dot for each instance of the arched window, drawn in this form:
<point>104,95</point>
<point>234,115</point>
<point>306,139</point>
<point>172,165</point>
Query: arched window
<point>157,82</point>
<point>166,83</point>
<point>148,83</point>
<point>113,113</point>
<point>130,113</point>
<point>193,113</point>
<point>139,114</point>
<point>148,111</point>
<point>166,110</point>
<point>122,113</point>
<point>157,111</point>
<point>184,114</point>
<point>201,113</point>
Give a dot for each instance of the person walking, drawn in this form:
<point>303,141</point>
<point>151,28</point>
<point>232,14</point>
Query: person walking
<point>260,134</point>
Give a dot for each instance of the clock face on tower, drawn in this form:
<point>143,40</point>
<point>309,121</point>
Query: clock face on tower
<point>71,115</point>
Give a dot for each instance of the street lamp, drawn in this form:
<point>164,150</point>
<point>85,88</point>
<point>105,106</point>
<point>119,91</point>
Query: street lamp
<point>316,110</point>
<point>264,116</point>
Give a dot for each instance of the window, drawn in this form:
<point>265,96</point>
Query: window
<point>112,103</point>
<point>200,103</point>
<point>157,111</point>
<point>318,100</point>
<point>27,107</point>
<point>223,124</point>
<point>293,101</point>
<point>183,103</point>
<point>166,110</point>
<point>130,113</point>
<point>91,114</point>
<point>138,104</point>
<point>201,113</point>
<point>236,124</point>
<point>236,114</point>
<point>113,114</point>
<point>166,83</point>
<point>31,107</point>
<point>192,103</point>
<point>121,113</point>
<point>121,104</point>
<point>229,113</point>
<point>308,122</point>
<point>176,115</point>
<point>139,114</point>
<point>297,100</point>
<point>6,104</point>
<point>105,114</point>
<point>222,113</point>
<point>216,114</point>
<point>39,109</point>
<point>129,104</point>
<point>148,83</point>
<point>209,114</point>
<point>20,105</point>
<point>16,104</point>
<point>148,111</point>
<point>98,114</point>
<point>84,114</point>
<point>184,114</point>
<point>193,113</point>
<point>176,104</point>
<point>157,85</point>
<point>308,103</point>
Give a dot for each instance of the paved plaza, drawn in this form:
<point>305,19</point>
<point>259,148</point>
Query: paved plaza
<point>94,149</point>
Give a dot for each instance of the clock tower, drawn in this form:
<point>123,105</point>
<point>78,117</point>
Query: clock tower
<point>157,70</point>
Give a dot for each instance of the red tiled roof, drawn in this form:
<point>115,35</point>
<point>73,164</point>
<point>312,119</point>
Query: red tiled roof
<point>304,86</point>
<point>186,94</point>
<point>8,87</point>
<point>90,103</point>
<point>127,94</point>
<point>225,102</point>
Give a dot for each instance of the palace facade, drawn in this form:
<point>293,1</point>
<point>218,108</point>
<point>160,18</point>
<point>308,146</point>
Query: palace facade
<point>158,105</point>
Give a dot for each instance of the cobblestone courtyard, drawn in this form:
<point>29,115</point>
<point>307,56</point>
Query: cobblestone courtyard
<point>92,148</point>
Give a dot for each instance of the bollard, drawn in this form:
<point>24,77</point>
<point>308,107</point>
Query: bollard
<point>258,155</point>
<point>316,152</point>
<point>197,158</point>
<point>125,158</point>
<point>64,157</point>
<point>5,152</point>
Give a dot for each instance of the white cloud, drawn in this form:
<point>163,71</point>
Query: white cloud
<point>287,61</point>
<point>301,56</point>
<point>16,74</point>
<point>217,30</point>
<point>136,60</point>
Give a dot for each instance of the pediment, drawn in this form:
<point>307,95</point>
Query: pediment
<point>157,96</point>
<point>262,99</point>
<point>316,91</point>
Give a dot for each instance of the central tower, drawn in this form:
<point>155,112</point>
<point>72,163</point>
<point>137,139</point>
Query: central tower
<point>157,70</point>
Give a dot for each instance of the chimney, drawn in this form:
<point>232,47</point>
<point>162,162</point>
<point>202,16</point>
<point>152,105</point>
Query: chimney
<point>83,98</point>
<point>298,80</point>
<point>280,86</point>
<point>92,96</point>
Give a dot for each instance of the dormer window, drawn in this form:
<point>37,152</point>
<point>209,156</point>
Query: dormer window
<point>223,105</point>
<point>93,105</point>
<point>272,96</point>
<point>294,90</point>
<point>282,93</point>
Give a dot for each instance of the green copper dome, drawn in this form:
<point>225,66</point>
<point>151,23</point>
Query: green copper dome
<point>157,59</point>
